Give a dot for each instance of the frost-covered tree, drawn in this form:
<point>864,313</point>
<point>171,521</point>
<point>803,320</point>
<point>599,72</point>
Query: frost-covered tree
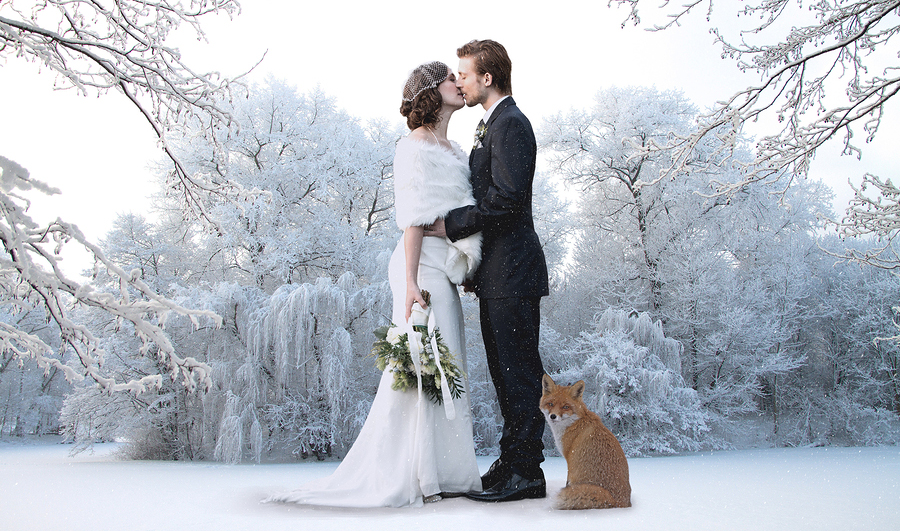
<point>288,370</point>
<point>297,276</point>
<point>848,391</point>
<point>553,223</point>
<point>162,422</point>
<point>312,249</point>
<point>325,185</point>
<point>633,381</point>
<point>30,397</point>
<point>730,279</point>
<point>828,71</point>
<point>134,243</point>
<point>872,215</point>
<point>601,152</point>
<point>31,280</point>
<point>96,47</point>
<point>755,318</point>
<point>314,340</point>
<point>93,48</point>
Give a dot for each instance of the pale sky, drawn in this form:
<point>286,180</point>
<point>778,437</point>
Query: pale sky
<point>97,150</point>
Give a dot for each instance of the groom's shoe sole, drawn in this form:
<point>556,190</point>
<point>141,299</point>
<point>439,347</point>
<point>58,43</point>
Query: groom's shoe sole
<point>516,488</point>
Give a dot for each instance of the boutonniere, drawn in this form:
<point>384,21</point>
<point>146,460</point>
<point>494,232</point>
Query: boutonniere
<point>479,135</point>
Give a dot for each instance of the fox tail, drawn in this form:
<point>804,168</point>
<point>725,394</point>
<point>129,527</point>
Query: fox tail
<point>587,496</point>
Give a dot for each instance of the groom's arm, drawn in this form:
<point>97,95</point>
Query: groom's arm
<point>513,152</point>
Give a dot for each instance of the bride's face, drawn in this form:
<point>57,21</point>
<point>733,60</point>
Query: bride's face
<point>451,95</point>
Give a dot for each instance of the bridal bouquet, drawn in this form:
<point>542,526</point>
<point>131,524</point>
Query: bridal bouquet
<point>393,352</point>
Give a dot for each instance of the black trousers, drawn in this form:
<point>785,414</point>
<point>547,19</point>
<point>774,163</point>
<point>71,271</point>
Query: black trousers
<point>511,327</point>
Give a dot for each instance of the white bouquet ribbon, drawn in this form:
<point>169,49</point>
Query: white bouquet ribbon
<point>420,316</point>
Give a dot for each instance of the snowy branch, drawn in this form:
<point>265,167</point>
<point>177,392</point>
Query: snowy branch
<point>97,46</point>
<point>30,276</point>
<point>839,46</point>
<point>876,216</point>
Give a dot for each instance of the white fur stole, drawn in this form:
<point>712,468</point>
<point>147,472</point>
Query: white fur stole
<point>429,182</point>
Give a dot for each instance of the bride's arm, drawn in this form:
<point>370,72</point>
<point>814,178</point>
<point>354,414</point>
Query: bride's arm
<point>412,241</point>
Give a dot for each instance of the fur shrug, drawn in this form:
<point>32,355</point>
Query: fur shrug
<point>430,181</point>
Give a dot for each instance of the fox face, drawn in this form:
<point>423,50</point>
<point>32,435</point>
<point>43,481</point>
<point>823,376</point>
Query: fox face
<point>561,406</point>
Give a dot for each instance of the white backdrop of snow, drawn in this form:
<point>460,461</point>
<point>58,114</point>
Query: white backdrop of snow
<point>792,489</point>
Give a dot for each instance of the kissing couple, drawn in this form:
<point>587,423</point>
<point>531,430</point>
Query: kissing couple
<point>466,221</point>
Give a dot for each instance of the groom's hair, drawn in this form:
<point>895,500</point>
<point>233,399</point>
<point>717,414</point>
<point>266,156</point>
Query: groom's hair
<point>490,57</point>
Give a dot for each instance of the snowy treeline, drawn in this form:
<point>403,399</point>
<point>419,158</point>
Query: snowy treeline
<point>767,320</point>
<point>686,315</point>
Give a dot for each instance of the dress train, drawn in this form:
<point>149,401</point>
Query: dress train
<point>407,450</point>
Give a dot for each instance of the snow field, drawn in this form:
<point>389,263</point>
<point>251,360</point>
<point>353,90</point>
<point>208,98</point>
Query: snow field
<point>44,489</point>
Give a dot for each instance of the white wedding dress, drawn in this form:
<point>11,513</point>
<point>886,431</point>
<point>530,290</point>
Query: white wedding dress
<point>408,448</point>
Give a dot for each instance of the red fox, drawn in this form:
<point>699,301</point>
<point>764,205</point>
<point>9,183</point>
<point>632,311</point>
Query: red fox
<point>598,470</point>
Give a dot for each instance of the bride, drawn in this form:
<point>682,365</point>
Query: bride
<point>411,450</point>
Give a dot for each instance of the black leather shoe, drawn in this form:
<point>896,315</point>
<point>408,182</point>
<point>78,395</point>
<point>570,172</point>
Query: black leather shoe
<point>496,476</point>
<point>516,488</point>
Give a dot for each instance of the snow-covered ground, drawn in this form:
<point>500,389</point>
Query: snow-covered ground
<point>43,488</point>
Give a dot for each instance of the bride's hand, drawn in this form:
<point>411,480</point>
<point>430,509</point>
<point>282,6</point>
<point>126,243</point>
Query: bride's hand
<point>413,295</point>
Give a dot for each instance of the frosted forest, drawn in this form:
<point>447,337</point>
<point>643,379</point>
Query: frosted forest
<point>704,309</point>
<point>696,322</point>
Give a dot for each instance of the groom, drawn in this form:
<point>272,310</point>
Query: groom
<point>512,276</point>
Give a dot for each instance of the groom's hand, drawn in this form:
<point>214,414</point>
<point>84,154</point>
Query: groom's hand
<point>436,229</point>
<point>468,286</point>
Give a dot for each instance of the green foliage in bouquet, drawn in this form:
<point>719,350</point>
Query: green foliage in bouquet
<point>391,352</point>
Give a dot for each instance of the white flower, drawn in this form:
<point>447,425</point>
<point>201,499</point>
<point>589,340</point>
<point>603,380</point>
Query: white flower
<point>393,335</point>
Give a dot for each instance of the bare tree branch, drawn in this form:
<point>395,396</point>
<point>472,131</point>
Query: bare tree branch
<point>800,75</point>
<point>95,46</point>
<point>121,46</point>
<point>827,77</point>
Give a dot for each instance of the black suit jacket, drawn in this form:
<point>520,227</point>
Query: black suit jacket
<point>512,263</point>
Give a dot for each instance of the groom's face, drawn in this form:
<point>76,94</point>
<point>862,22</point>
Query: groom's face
<point>472,85</point>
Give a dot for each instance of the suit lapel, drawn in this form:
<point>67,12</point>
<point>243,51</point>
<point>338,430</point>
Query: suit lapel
<point>500,107</point>
<point>479,159</point>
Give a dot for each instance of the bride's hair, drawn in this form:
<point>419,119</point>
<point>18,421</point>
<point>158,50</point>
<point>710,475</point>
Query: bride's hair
<point>421,98</point>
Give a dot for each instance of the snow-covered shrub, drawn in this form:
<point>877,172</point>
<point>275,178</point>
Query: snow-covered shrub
<point>301,425</point>
<point>633,381</point>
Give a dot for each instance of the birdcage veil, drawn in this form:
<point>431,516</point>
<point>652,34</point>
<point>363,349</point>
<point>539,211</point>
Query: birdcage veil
<point>424,77</point>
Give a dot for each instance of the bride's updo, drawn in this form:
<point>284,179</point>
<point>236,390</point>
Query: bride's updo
<point>421,98</point>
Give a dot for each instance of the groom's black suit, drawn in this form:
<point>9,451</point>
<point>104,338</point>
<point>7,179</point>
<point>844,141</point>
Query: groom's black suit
<point>511,279</point>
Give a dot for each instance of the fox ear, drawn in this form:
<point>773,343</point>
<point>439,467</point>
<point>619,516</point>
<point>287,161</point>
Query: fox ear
<point>577,389</point>
<point>548,384</point>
